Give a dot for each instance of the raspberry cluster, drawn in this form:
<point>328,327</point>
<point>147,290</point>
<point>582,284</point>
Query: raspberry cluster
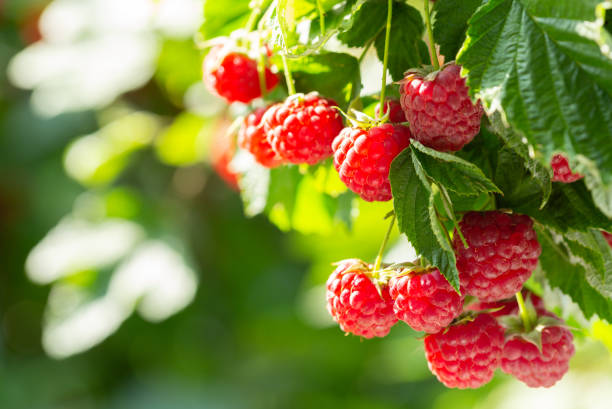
<point>465,342</point>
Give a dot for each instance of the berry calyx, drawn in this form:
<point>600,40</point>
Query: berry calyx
<point>302,128</point>
<point>562,171</point>
<point>439,109</point>
<point>539,358</point>
<point>356,303</point>
<point>424,300</point>
<point>363,157</point>
<point>233,75</point>
<point>467,354</point>
<point>508,306</point>
<point>394,108</point>
<point>502,252</point>
<point>251,137</point>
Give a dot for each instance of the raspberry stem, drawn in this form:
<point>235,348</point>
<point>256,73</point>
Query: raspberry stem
<point>261,68</point>
<point>379,257</point>
<point>381,111</point>
<point>523,312</point>
<point>432,45</point>
<point>253,16</point>
<point>321,17</point>
<point>288,78</point>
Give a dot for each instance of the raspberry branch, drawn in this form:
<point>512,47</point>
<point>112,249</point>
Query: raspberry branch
<point>523,312</point>
<point>386,56</point>
<point>379,257</point>
<point>321,17</point>
<point>432,45</point>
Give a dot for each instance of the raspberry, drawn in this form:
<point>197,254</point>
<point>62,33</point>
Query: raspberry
<point>466,355</point>
<point>302,128</point>
<point>439,110</point>
<point>221,154</point>
<point>536,368</point>
<point>233,75</point>
<point>562,171</point>
<point>608,237</point>
<point>425,300</point>
<point>363,157</point>
<point>503,251</point>
<point>355,303</point>
<point>393,106</point>
<point>508,306</point>
<point>252,137</point>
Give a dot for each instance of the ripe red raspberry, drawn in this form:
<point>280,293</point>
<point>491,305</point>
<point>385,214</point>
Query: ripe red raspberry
<point>302,128</point>
<point>233,75</point>
<point>608,237</point>
<point>466,355</point>
<point>425,300</point>
<point>363,157</point>
<point>222,152</point>
<point>508,306</point>
<point>439,110</point>
<point>355,303</point>
<point>503,251</point>
<point>562,171</point>
<point>524,361</point>
<point>393,106</point>
<point>251,136</point>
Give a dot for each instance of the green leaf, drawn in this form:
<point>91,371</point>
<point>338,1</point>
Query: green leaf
<point>320,73</point>
<point>451,23</point>
<point>452,172</point>
<point>573,275</point>
<point>570,207</point>
<point>406,48</point>
<point>367,23</point>
<point>533,173</point>
<point>413,202</point>
<point>547,66</point>
<point>221,20</point>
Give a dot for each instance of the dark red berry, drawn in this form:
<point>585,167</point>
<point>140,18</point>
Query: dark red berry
<point>252,138</point>
<point>356,304</point>
<point>302,129</point>
<point>467,354</point>
<point>394,107</point>
<point>502,252</point>
<point>425,300</point>
<point>562,171</point>
<point>608,237</point>
<point>440,111</point>
<point>363,157</point>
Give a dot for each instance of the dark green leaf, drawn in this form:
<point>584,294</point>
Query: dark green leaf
<point>571,275</point>
<point>320,73</point>
<point>547,66</point>
<point>413,202</point>
<point>367,23</point>
<point>406,48</point>
<point>452,172</point>
<point>451,23</point>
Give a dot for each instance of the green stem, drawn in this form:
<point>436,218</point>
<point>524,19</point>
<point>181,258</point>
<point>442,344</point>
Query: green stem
<point>432,45</point>
<point>253,17</point>
<point>261,68</point>
<point>288,78</point>
<point>379,257</point>
<point>365,49</point>
<point>381,111</point>
<point>321,17</point>
<point>523,312</point>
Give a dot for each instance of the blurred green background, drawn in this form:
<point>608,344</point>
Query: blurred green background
<point>129,276</point>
